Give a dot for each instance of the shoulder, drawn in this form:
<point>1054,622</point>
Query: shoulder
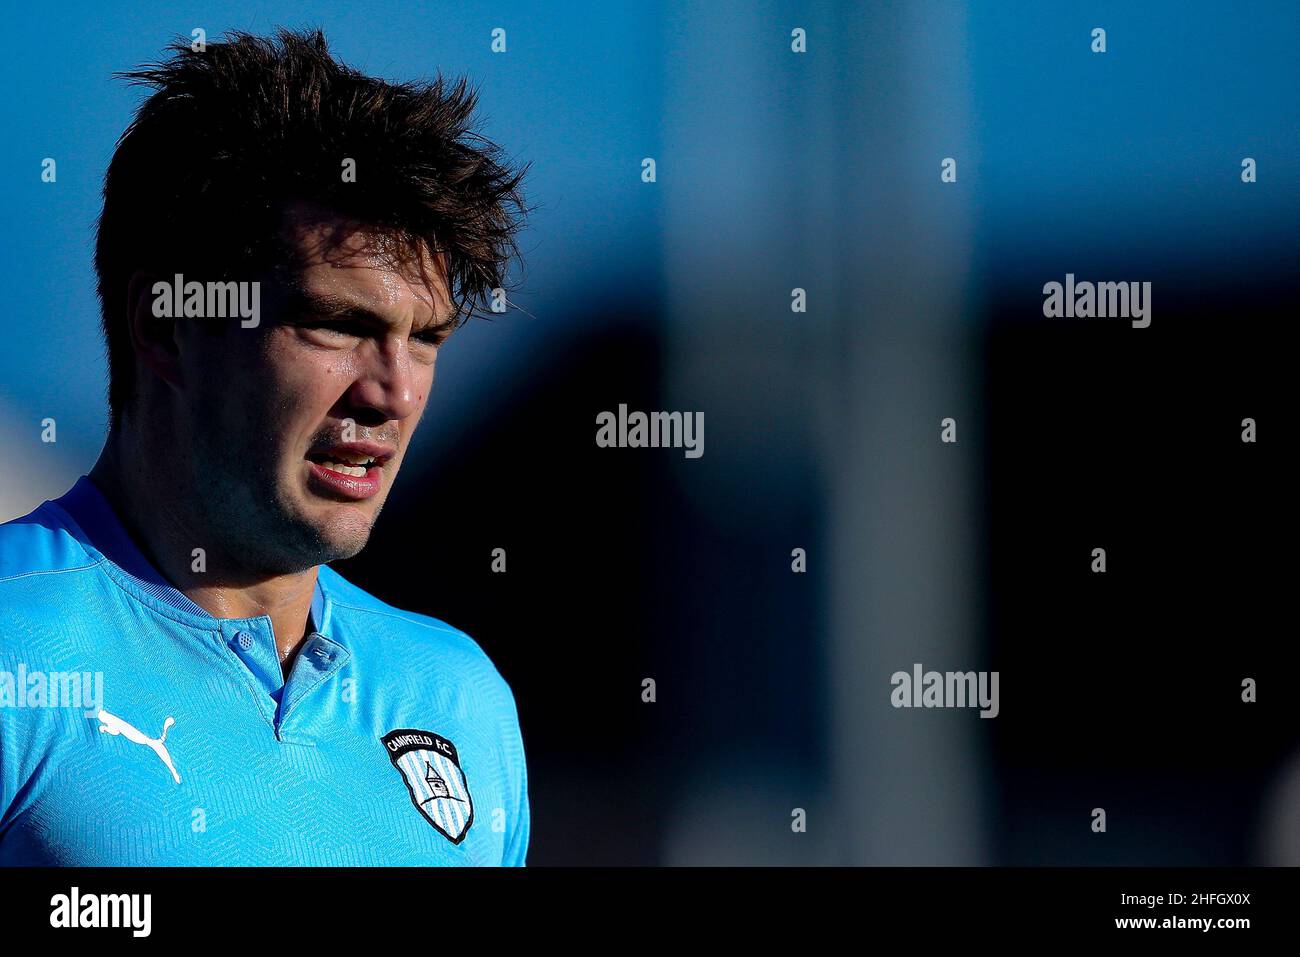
<point>416,644</point>
<point>46,574</point>
<point>350,602</point>
<point>51,591</point>
<point>42,542</point>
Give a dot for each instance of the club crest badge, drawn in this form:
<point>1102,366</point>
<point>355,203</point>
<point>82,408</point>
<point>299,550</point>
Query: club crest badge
<point>431,768</point>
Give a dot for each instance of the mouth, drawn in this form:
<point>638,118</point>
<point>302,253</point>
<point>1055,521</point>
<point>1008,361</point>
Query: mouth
<point>348,472</point>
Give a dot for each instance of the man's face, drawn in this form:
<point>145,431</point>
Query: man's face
<point>298,426</point>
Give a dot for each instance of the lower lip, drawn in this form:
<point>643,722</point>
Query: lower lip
<point>354,488</point>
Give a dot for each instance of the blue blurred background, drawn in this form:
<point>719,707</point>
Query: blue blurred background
<point>820,171</point>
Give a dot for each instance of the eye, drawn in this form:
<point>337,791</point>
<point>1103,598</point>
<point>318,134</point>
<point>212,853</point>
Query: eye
<point>333,329</point>
<point>433,337</point>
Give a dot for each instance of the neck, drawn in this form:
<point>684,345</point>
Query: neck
<point>167,532</point>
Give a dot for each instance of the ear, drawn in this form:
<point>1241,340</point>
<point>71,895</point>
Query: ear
<point>154,339</point>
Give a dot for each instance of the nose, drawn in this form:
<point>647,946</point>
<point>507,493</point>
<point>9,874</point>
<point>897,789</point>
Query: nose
<point>385,385</point>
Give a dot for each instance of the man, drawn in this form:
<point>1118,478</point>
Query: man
<point>284,245</point>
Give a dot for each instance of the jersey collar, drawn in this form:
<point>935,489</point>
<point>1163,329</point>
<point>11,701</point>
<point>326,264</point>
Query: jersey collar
<point>101,531</point>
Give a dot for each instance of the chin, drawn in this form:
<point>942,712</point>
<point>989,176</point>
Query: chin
<point>345,539</point>
<point>318,536</point>
<point>339,549</point>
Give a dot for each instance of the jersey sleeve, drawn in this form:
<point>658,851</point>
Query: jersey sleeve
<point>7,789</point>
<point>9,768</point>
<point>517,843</point>
<point>519,824</point>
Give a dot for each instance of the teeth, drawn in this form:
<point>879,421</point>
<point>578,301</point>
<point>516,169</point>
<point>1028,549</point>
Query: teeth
<point>354,470</point>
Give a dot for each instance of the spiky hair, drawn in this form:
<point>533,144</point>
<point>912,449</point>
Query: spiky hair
<point>234,133</point>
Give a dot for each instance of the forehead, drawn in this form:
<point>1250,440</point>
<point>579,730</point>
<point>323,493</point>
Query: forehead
<point>327,253</point>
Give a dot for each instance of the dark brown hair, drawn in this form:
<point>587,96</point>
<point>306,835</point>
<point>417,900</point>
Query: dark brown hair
<point>234,133</point>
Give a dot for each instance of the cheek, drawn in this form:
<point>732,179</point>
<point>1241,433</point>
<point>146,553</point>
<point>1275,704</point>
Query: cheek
<point>289,368</point>
<point>290,391</point>
<point>218,374</point>
<point>424,386</point>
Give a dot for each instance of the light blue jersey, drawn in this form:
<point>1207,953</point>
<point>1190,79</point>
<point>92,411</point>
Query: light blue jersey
<point>137,729</point>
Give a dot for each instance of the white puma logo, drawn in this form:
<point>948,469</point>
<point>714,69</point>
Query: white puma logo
<point>112,724</point>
